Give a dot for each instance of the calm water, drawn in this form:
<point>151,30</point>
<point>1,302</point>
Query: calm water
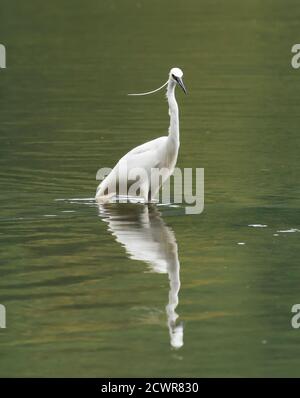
<point>131,290</point>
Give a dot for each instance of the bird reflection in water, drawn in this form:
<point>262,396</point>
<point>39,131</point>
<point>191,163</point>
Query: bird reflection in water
<point>145,237</point>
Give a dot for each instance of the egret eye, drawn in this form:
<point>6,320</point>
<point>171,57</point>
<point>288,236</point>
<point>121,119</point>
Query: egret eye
<point>174,77</point>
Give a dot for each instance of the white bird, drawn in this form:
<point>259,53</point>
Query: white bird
<point>160,154</point>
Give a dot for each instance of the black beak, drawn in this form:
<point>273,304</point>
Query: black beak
<point>180,82</point>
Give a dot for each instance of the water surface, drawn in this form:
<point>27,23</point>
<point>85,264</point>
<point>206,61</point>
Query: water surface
<point>137,290</point>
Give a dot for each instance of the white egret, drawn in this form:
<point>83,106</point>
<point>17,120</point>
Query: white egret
<point>160,154</point>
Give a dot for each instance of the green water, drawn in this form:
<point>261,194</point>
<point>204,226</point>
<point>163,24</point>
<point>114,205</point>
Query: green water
<point>83,287</point>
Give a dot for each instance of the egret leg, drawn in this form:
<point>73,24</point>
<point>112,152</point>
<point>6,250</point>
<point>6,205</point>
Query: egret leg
<point>144,191</point>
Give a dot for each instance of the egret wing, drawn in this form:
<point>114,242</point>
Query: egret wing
<point>156,144</point>
<point>147,155</point>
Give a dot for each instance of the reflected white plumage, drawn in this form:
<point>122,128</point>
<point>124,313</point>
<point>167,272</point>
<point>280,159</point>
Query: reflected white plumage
<point>145,237</point>
<point>160,153</point>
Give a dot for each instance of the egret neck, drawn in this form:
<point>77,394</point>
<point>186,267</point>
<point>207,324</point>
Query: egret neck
<point>173,113</point>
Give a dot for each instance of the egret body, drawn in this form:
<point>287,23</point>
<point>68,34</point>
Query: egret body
<point>160,153</point>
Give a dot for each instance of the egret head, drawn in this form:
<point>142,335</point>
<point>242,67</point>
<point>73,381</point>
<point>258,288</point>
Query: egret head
<point>176,75</point>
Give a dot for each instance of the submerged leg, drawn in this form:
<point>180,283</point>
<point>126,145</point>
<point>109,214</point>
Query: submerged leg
<point>144,191</point>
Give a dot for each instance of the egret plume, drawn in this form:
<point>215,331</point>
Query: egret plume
<point>154,91</point>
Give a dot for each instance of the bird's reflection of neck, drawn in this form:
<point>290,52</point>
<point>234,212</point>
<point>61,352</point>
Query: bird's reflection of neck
<point>145,237</point>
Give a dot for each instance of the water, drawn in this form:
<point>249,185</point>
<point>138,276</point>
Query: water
<point>131,290</point>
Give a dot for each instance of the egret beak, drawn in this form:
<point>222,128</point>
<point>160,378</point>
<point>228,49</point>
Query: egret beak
<point>180,82</point>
